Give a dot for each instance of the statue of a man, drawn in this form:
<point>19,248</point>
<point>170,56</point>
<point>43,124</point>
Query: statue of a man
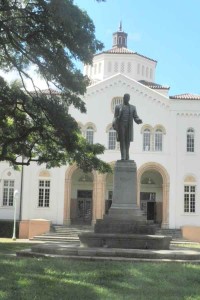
<point>123,123</point>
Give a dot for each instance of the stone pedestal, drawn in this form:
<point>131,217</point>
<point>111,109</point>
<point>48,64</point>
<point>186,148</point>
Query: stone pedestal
<point>125,182</point>
<point>124,215</point>
<point>125,226</point>
<point>124,203</point>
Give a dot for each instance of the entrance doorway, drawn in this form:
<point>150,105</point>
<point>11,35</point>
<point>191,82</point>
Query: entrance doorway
<point>148,205</point>
<point>151,195</point>
<point>81,208</point>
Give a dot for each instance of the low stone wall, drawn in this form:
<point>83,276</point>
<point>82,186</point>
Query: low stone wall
<point>191,233</point>
<point>30,228</point>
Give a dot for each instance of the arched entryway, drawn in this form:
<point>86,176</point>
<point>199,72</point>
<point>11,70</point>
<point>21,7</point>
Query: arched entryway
<point>151,197</point>
<point>81,207</point>
<point>84,200</point>
<point>79,195</point>
<point>153,192</point>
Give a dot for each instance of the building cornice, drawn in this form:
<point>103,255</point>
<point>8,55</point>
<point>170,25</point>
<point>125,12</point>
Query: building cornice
<point>124,51</point>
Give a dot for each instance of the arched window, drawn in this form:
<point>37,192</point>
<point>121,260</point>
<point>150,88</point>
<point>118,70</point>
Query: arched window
<point>158,140</point>
<point>116,101</point>
<point>112,139</point>
<point>90,135</point>
<point>120,40</point>
<point>190,140</point>
<point>146,140</point>
<point>153,137</point>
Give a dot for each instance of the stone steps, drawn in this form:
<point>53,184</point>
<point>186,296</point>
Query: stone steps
<point>71,252</point>
<point>63,234</point>
<point>174,233</point>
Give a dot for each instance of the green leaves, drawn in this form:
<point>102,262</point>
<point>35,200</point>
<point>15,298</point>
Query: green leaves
<point>50,35</point>
<point>40,129</point>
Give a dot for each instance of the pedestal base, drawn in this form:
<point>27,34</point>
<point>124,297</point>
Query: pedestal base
<point>125,226</point>
<point>125,241</point>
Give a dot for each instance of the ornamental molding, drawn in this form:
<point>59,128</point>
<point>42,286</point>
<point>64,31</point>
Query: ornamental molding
<point>188,114</point>
<point>189,178</point>
<point>44,173</point>
<point>134,87</point>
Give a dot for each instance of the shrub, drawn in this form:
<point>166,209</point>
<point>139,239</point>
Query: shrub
<point>6,228</point>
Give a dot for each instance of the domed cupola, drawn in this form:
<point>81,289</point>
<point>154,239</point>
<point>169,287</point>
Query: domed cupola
<point>120,38</point>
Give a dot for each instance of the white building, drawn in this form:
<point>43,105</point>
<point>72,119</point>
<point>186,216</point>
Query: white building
<point>166,149</point>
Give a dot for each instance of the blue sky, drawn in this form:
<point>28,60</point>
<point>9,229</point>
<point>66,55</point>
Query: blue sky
<point>167,31</point>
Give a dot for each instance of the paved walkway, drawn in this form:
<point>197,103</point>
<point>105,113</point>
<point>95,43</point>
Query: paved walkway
<point>189,253</point>
<point>74,251</point>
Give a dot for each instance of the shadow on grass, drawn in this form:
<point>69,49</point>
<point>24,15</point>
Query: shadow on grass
<point>12,247</point>
<point>68,279</point>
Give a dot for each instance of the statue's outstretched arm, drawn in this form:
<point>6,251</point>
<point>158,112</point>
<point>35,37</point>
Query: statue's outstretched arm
<point>136,117</point>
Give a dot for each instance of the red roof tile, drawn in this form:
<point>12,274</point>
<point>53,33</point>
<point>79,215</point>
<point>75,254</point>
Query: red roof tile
<point>186,97</point>
<point>123,50</point>
<point>153,85</point>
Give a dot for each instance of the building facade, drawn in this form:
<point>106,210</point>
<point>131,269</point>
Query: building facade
<point>166,149</point>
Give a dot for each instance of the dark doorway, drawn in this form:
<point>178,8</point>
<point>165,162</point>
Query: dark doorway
<point>81,208</point>
<point>108,202</point>
<point>148,205</point>
<point>151,211</point>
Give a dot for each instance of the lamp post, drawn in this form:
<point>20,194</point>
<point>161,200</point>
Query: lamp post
<point>16,195</point>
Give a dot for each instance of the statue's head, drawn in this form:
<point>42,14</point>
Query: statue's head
<point>126,98</point>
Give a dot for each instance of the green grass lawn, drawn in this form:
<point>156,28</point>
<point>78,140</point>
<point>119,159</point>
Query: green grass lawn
<point>57,279</point>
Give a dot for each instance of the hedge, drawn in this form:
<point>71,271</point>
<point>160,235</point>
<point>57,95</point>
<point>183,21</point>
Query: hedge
<point>6,228</point>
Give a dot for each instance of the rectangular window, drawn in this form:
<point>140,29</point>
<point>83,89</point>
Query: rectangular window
<point>189,198</point>
<point>8,192</point>
<point>90,136</point>
<point>44,193</point>
<point>158,141</point>
<point>190,143</point>
<point>146,140</point>
<point>112,140</point>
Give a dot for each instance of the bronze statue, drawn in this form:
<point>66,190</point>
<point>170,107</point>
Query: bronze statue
<point>123,123</point>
